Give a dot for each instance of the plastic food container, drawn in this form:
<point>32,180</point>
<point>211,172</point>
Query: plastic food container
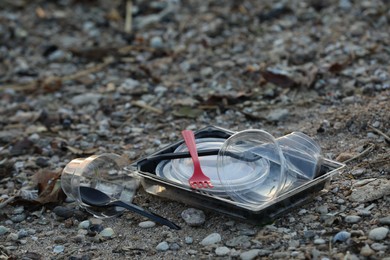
<point>168,179</point>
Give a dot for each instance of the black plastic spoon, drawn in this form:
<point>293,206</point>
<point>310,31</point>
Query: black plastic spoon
<point>98,198</point>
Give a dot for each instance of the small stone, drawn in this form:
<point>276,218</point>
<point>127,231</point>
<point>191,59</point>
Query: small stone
<point>96,221</point>
<point>277,114</point>
<point>189,240</point>
<point>385,220</point>
<point>309,233</point>
<point>205,72</point>
<point>18,218</point>
<point>319,241</point>
<point>379,233</point>
<point>366,251</point>
<point>192,252</point>
<point>213,238</point>
<point>58,249</point>
<point>358,172</point>
<point>84,224</point>
<point>352,219</point>
<point>251,254</point>
<point>79,239</point>
<point>322,209</point>
<point>12,237</point>
<point>163,246</point>
<point>193,217</point>
<point>264,252</point>
<point>222,251</point>
<point>280,255</point>
<point>3,230</point>
<point>22,233</point>
<point>147,224</point>
<point>342,236</point>
<point>86,99</point>
<point>156,42</point>
<point>240,241</point>
<point>63,212</point>
<point>378,247</point>
<point>373,190</point>
<point>107,233</point>
<point>174,246</point>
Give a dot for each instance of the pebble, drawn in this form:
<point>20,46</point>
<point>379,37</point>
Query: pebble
<point>85,99</point>
<point>251,254</point>
<point>213,238</point>
<point>385,220</point>
<point>371,191</point>
<point>79,238</point>
<point>12,237</point>
<point>193,217</point>
<point>107,233</point>
<point>280,255</point>
<point>319,241</point>
<point>188,240</point>
<point>239,241</point>
<point>192,252</point>
<point>379,233</point>
<point>58,249</point>
<point>156,42</point>
<point>63,212</point>
<point>222,251</point>
<point>22,233</point>
<point>378,247</point>
<point>84,224</point>
<point>322,209</point>
<point>18,218</point>
<point>352,219</point>
<point>163,246</point>
<point>147,224</point>
<point>366,251</point>
<point>277,114</point>
<point>174,246</point>
<point>3,230</point>
<point>342,236</point>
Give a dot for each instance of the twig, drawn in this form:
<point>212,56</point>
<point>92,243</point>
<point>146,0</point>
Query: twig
<point>129,13</point>
<point>147,107</point>
<point>387,138</point>
<point>33,85</point>
<point>7,201</point>
<point>366,151</point>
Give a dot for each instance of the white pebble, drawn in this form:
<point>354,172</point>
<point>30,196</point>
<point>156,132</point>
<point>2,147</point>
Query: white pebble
<point>211,239</point>
<point>379,233</point>
<point>222,251</point>
<point>146,224</point>
<point>107,233</point>
<point>163,246</point>
<point>84,224</point>
<point>248,255</point>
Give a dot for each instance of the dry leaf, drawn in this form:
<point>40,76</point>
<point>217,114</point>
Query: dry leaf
<point>278,77</point>
<point>49,186</point>
<point>78,151</point>
<point>225,99</point>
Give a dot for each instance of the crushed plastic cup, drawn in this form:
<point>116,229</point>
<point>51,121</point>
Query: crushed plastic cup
<point>287,162</point>
<point>103,172</point>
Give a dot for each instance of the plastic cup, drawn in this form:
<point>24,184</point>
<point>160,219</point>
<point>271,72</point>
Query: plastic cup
<point>287,162</point>
<point>102,172</point>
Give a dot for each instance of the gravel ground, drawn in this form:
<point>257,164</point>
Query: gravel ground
<point>73,83</point>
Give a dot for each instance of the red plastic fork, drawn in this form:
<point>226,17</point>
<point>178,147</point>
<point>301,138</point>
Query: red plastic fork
<point>198,178</point>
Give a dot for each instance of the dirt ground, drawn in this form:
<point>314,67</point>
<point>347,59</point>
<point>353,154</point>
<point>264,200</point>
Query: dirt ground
<point>79,77</point>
